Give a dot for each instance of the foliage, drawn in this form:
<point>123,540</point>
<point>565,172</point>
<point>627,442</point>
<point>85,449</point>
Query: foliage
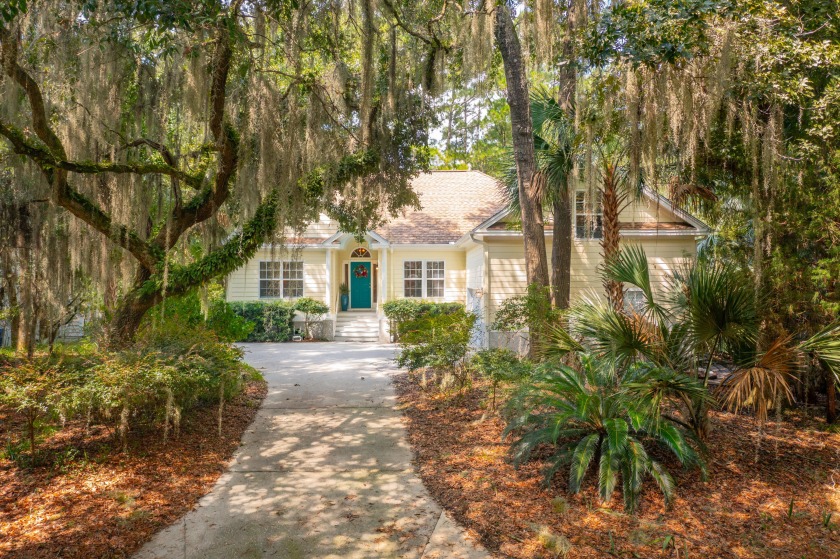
<point>255,128</point>
<point>710,313</point>
<point>169,369</point>
<point>499,366</point>
<point>273,321</point>
<point>313,311</point>
<point>206,306</point>
<point>402,311</point>
<point>440,342</point>
<point>532,311</point>
<point>33,388</point>
<point>603,415</point>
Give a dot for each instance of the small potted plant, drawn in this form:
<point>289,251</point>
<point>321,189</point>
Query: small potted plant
<point>344,291</point>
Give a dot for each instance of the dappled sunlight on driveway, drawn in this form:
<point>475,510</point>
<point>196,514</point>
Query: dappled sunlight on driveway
<point>323,472</point>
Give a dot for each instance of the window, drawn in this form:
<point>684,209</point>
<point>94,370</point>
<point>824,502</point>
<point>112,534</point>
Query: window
<point>281,279</point>
<point>360,252</point>
<point>292,279</point>
<point>634,300</point>
<point>413,274</point>
<point>588,216</point>
<point>424,278</point>
<point>434,279</point>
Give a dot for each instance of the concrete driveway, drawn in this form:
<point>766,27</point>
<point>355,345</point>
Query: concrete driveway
<point>323,472</point>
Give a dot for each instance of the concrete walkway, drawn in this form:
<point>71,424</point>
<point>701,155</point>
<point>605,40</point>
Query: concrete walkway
<point>324,471</point>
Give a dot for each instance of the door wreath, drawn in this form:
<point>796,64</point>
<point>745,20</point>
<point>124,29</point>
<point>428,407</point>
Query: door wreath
<point>360,271</point>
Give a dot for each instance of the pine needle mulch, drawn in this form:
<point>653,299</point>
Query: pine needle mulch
<point>743,511</point>
<point>89,500</point>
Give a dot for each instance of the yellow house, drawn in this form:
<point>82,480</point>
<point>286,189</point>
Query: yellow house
<point>459,247</point>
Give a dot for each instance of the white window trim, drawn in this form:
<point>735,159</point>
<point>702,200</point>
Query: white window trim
<point>595,214</point>
<point>634,290</point>
<point>281,279</point>
<point>424,279</point>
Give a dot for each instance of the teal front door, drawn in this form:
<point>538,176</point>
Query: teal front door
<point>360,278</point>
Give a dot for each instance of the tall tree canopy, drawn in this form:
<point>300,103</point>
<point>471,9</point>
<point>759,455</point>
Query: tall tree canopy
<point>161,126</point>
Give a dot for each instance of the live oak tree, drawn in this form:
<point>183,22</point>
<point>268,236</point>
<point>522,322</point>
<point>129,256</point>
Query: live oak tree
<point>185,135</point>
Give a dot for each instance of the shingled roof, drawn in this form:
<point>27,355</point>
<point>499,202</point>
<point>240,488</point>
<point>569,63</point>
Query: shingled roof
<point>453,203</point>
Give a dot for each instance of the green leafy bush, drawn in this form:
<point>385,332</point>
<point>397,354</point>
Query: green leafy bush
<point>401,311</point>
<point>169,369</point>
<point>596,414</point>
<point>273,321</point>
<point>32,388</point>
<point>439,342</point>
<point>313,312</point>
<point>207,308</point>
<point>499,366</point>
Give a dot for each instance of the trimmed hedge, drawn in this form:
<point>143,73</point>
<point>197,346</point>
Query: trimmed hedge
<point>401,311</point>
<point>272,321</point>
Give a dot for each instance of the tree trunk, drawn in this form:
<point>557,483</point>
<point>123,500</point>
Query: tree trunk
<point>561,249</point>
<point>518,98</point>
<point>831,402</point>
<point>26,309</point>
<point>611,206</point>
<point>127,318</point>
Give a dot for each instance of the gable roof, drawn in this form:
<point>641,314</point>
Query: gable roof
<point>453,203</point>
<point>690,225</point>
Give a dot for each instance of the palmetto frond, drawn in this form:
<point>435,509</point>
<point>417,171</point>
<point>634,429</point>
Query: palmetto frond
<point>630,266</point>
<point>761,385</point>
<point>593,415</point>
<point>825,345</point>
<point>609,332</point>
<point>718,306</point>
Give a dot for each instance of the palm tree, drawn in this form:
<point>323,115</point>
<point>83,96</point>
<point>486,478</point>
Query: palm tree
<point>555,145</point>
<point>615,192</point>
<point>710,312</point>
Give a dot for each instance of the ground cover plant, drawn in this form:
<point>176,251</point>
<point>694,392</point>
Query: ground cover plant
<point>767,508</point>
<point>619,398</point>
<point>102,448</point>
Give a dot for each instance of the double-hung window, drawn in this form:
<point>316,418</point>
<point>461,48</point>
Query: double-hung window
<point>281,279</point>
<point>424,278</point>
<point>588,216</point>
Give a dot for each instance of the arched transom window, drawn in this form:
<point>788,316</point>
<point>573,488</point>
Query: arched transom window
<point>360,252</point>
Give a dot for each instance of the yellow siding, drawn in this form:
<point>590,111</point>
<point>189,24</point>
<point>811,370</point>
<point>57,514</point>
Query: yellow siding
<point>645,210</point>
<point>507,266</point>
<point>244,283</point>
<point>454,265</point>
<point>475,268</point>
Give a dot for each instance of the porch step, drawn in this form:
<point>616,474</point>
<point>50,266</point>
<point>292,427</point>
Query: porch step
<point>357,327</point>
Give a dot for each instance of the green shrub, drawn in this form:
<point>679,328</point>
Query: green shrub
<point>206,308</point>
<point>440,342</point>
<point>170,369</point>
<point>597,417</point>
<point>273,321</point>
<point>401,311</point>
<point>313,312</point>
<point>499,366</point>
<point>33,389</point>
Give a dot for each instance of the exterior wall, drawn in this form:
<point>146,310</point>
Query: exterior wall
<point>507,266</point>
<point>646,210</point>
<point>475,268</point>
<point>244,284</point>
<point>455,273</point>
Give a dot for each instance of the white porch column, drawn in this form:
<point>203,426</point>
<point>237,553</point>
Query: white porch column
<point>328,298</point>
<point>383,272</point>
